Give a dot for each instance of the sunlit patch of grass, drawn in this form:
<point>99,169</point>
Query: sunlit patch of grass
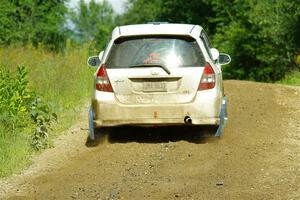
<point>62,78</point>
<point>15,151</point>
<point>291,79</point>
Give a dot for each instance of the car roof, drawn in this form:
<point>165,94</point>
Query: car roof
<point>157,28</point>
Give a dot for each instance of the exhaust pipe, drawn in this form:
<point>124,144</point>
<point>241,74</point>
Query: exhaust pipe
<point>187,120</point>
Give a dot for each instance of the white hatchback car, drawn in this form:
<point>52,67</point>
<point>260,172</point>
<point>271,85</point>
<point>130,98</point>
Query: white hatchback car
<point>158,74</point>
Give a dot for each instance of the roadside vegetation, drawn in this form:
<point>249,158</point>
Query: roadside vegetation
<point>291,79</point>
<point>44,47</point>
<point>36,96</point>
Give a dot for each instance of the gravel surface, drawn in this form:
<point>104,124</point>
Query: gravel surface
<point>257,157</point>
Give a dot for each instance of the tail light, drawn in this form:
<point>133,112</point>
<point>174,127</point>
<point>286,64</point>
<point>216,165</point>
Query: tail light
<point>208,78</point>
<point>102,81</point>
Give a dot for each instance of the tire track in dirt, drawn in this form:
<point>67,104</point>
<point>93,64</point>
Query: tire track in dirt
<point>256,158</point>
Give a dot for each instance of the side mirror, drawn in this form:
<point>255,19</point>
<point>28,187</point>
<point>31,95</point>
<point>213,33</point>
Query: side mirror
<point>101,55</point>
<point>224,59</point>
<point>93,61</point>
<point>214,53</point>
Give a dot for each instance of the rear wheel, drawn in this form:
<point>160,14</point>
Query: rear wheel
<point>101,134</point>
<point>223,117</point>
<point>208,130</point>
<point>91,124</point>
<point>96,133</point>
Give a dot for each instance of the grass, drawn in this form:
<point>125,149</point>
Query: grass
<point>15,151</point>
<point>63,80</point>
<point>291,79</point>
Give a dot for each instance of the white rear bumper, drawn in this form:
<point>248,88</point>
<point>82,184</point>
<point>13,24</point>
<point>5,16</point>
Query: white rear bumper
<point>204,110</point>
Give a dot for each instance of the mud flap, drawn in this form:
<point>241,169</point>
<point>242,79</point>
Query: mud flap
<point>223,117</point>
<point>91,124</point>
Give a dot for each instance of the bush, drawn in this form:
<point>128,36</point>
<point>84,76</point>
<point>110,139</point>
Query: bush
<point>14,97</point>
<point>43,117</point>
<point>261,36</point>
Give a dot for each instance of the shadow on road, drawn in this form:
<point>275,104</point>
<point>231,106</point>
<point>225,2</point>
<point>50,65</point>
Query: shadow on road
<point>193,134</point>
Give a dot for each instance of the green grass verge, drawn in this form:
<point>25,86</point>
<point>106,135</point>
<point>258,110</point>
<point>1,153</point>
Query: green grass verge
<point>63,80</point>
<point>15,151</point>
<point>291,79</point>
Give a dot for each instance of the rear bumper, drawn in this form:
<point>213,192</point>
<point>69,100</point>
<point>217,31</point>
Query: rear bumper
<point>204,110</point>
<point>154,122</point>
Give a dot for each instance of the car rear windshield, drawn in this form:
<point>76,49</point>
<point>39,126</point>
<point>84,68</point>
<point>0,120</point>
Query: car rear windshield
<point>168,51</point>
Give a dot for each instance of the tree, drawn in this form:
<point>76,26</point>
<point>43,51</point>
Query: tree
<point>33,21</point>
<point>191,12</point>
<point>173,11</point>
<point>93,22</point>
<point>48,21</point>
<point>261,36</point>
<point>141,11</point>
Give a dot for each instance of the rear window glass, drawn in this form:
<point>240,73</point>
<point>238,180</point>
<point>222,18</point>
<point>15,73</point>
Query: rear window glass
<point>167,51</point>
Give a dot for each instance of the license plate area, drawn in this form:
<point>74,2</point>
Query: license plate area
<point>155,86</point>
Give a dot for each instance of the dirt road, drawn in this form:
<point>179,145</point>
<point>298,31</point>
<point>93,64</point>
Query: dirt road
<point>257,157</point>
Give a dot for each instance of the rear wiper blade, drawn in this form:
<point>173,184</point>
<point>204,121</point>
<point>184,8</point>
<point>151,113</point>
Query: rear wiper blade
<point>152,65</point>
